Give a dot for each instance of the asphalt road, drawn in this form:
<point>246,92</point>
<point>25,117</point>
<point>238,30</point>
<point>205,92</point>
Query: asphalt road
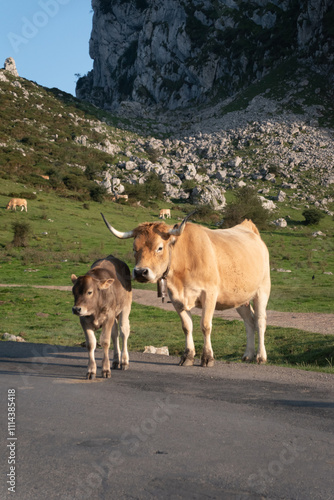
<point>160,431</point>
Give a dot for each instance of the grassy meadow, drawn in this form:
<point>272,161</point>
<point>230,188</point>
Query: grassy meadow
<point>67,235</point>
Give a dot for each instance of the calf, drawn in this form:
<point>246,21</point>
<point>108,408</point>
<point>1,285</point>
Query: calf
<point>102,299</point>
<point>17,202</point>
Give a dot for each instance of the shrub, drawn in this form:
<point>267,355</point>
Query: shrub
<point>152,188</point>
<point>97,193</point>
<point>247,206</point>
<point>74,182</point>
<point>204,213</point>
<point>23,194</point>
<point>312,216</point>
<point>21,234</point>
<point>153,154</point>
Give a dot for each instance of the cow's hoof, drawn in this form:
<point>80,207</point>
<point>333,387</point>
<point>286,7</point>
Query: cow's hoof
<point>261,359</point>
<point>187,358</point>
<point>114,365</point>
<point>90,376</point>
<point>247,359</point>
<point>124,366</point>
<point>106,374</point>
<point>208,363</point>
<point>184,361</point>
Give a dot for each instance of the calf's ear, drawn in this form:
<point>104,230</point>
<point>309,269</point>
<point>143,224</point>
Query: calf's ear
<point>104,285</point>
<point>73,278</point>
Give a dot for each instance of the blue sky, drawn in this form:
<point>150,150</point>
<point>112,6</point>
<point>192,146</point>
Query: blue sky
<point>49,39</point>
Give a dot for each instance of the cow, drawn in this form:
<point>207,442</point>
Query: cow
<point>208,268</point>
<point>17,202</point>
<point>124,197</point>
<point>164,212</point>
<point>102,299</point>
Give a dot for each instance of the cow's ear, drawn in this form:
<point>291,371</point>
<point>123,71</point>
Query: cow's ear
<point>104,285</point>
<point>74,278</point>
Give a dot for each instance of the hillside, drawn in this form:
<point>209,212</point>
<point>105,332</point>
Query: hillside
<point>199,155</point>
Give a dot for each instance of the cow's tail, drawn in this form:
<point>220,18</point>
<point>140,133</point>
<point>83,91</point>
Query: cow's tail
<point>250,225</point>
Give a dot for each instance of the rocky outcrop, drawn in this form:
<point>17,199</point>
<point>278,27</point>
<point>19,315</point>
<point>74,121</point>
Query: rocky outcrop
<point>172,53</point>
<point>10,66</point>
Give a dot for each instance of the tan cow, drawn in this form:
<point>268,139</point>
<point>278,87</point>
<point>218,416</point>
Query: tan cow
<point>102,298</point>
<point>17,202</point>
<point>164,212</point>
<point>124,197</point>
<point>211,269</point>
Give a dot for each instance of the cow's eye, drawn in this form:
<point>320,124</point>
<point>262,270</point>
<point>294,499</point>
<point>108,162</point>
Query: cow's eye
<point>90,292</point>
<point>160,248</point>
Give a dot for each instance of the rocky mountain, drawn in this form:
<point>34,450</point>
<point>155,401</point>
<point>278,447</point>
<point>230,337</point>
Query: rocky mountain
<point>252,140</point>
<point>176,53</point>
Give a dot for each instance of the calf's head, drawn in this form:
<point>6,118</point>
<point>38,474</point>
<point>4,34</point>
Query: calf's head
<point>152,248</point>
<point>86,290</point>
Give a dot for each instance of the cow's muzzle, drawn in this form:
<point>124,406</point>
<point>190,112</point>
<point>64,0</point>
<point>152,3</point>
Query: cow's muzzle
<point>141,274</point>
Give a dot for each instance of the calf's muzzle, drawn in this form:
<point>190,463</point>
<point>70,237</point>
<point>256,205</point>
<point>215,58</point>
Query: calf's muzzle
<point>76,310</point>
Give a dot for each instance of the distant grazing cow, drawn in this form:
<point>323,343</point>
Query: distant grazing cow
<point>17,202</point>
<point>102,299</point>
<point>212,269</point>
<point>164,212</point>
<point>124,197</point>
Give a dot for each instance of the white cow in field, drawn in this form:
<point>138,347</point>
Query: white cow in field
<point>164,212</point>
<point>17,202</point>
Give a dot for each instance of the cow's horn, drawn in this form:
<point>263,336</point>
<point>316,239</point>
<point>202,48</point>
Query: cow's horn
<point>178,230</point>
<point>128,234</point>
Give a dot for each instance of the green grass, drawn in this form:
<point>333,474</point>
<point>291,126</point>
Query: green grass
<point>76,237</point>
<point>45,316</point>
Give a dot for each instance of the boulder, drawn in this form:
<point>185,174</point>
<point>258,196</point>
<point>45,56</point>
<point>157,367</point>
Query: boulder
<point>280,222</point>
<point>209,195</point>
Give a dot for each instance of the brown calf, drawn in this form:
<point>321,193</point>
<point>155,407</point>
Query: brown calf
<point>102,299</point>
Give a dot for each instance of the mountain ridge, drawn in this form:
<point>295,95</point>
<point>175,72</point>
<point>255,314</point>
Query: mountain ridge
<point>174,54</point>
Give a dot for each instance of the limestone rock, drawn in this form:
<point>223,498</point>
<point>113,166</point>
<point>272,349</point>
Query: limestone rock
<point>150,349</point>
<point>10,66</point>
<point>281,222</point>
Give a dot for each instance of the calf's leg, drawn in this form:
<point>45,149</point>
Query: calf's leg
<point>115,341</point>
<point>125,332</point>
<point>91,346</point>
<point>105,344</point>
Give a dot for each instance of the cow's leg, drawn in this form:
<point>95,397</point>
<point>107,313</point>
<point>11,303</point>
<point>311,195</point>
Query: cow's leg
<point>125,332</point>
<point>260,305</point>
<point>208,305</point>
<point>188,357</point>
<point>115,341</point>
<point>91,346</point>
<point>105,344</point>
<point>247,314</point>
